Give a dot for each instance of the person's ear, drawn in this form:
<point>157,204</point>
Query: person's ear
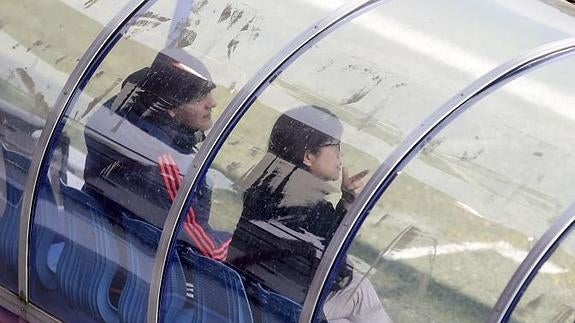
<point>307,158</point>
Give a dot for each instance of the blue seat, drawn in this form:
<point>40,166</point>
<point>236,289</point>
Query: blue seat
<point>143,239</point>
<point>219,294</point>
<point>90,257</point>
<point>16,168</point>
<point>276,308</point>
<point>46,224</point>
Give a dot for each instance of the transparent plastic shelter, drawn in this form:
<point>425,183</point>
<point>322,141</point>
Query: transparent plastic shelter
<point>293,161</point>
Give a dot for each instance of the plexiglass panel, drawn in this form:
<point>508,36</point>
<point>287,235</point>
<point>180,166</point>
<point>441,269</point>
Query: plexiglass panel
<point>455,224</point>
<point>37,55</point>
<point>549,297</point>
<point>346,103</point>
<point>127,141</point>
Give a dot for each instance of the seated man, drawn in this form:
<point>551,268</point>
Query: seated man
<point>286,221</point>
<point>141,142</point>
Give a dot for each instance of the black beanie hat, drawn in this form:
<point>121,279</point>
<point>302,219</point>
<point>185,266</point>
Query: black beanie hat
<point>177,77</point>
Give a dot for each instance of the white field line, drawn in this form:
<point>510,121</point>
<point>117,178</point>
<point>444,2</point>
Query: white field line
<point>465,60</point>
<point>503,248</point>
<point>455,56</point>
<point>506,250</point>
<point>469,209</point>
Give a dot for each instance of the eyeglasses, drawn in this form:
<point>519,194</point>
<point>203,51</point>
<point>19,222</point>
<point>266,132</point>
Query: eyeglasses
<point>332,144</point>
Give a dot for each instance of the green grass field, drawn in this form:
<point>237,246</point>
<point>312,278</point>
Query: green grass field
<point>452,287</point>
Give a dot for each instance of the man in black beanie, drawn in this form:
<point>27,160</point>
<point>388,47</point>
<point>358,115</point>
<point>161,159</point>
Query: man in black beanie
<point>141,142</point>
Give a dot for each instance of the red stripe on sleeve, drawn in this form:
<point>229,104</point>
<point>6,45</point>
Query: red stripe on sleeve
<point>171,176</point>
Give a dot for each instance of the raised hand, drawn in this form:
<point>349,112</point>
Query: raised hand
<point>351,186</point>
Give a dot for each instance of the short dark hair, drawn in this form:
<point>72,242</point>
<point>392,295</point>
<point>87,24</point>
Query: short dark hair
<point>301,130</point>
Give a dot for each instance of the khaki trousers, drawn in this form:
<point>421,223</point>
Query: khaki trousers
<point>358,302</point>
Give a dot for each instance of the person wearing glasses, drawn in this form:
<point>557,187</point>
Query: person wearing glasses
<point>287,222</point>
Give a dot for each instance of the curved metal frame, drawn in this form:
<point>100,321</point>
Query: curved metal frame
<point>537,256</point>
<point>77,79</point>
<point>410,146</point>
<point>227,122</point>
<point>12,303</point>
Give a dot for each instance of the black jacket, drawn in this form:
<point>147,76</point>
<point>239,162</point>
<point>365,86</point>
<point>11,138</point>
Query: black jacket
<point>135,163</point>
<point>285,225</point>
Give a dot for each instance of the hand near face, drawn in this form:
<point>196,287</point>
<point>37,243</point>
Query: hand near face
<point>351,186</point>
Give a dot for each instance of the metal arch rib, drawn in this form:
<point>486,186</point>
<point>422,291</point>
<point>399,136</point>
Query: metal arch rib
<point>412,144</point>
<point>531,265</point>
<point>32,313</point>
<point>106,37</point>
<point>230,117</point>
